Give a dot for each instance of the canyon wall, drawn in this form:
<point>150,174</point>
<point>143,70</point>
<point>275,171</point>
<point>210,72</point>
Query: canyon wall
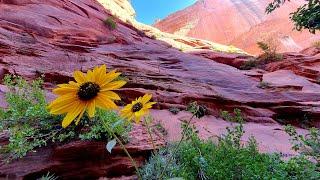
<point>240,23</point>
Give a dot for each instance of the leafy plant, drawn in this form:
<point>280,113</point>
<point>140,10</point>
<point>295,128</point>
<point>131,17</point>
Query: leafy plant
<point>263,85</point>
<point>30,125</point>
<point>48,176</point>
<point>197,110</point>
<point>204,160</point>
<point>174,110</point>
<point>251,63</point>
<point>306,16</point>
<point>97,131</point>
<point>110,23</point>
<point>235,117</point>
<point>269,47</point>
<point>308,145</point>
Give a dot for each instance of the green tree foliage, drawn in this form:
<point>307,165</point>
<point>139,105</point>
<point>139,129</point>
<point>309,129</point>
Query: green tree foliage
<point>306,16</point>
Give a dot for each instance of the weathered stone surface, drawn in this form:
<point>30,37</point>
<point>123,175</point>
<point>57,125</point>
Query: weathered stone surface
<point>240,23</point>
<point>306,64</point>
<point>55,38</point>
<point>83,159</point>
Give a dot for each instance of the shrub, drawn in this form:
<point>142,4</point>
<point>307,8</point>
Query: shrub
<point>48,176</point>
<point>269,47</point>
<point>308,145</point>
<point>263,85</point>
<point>30,125</point>
<point>251,63</point>
<point>110,23</point>
<point>235,117</point>
<point>199,159</point>
<point>174,110</point>
<point>316,44</point>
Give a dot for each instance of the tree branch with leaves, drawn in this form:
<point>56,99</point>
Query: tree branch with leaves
<point>306,16</point>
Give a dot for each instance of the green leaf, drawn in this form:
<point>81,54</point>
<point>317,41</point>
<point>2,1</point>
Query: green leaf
<point>110,145</point>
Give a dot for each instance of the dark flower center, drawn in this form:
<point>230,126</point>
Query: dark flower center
<point>137,107</point>
<point>88,91</point>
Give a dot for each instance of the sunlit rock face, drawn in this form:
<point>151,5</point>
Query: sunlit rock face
<point>238,22</point>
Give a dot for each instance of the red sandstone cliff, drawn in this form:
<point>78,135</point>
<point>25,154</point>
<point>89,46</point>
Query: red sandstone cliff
<point>56,37</point>
<point>238,22</point>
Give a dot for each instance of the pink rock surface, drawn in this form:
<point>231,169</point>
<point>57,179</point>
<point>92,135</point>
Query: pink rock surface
<point>238,22</point>
<point>55,38</point>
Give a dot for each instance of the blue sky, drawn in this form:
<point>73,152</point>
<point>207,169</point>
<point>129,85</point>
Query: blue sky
<point>150,10</point>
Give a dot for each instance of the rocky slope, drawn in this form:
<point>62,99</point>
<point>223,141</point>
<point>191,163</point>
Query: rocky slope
<point>238,22</point>
<point>55,38</point>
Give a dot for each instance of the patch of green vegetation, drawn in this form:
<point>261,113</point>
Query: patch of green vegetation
<point>235,117</point>
<point>308,145</point>
<point>97,131</point>
<point>269,49</point>
<point>251,63</point>
<point>174,110</point>
<point>229,159</point>
<point>197,110</point>
<point>263,85</point>
<point>305,17</point>
<point>48,176</point>
<point>110,23</point>
<point>30,125</point>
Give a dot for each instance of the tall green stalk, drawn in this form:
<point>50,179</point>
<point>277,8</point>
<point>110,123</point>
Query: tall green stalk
<point>124,149</point>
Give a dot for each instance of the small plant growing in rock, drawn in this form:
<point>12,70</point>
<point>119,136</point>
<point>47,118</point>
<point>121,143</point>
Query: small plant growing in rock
<point>269,47</point>
<point>153,36</point>
<point>316,44</point>
<point>48,176</point>
<point>264,85</point>
<point>174,110</point>
<point>251,63</point>
<point>235,117</point>
<point>110,23</point>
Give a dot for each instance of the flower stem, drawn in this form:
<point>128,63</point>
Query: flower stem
<point>150,135</point>
<point>184,132</point>
<point>124,149</point>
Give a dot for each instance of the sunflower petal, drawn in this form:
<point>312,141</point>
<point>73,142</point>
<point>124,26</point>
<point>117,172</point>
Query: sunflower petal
<point>105,103</point>
<point>72,114</point>
<point>113,85</point>
<point>79,77</point>
<point>92,108</point>
<point>109,77</point>
<point>80,116</point>
<point>146,98</point>
<point>111,95</point>
<point>62,100</point>
<point>65,90</point>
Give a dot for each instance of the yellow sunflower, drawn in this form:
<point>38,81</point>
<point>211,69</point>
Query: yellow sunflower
<point>138,108</point>
<point>88,91</point>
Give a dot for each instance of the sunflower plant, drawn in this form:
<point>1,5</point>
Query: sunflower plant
<point>88,91</point>
<point>95,90</point>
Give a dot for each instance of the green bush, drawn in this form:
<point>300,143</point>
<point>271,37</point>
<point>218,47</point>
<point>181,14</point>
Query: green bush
<point>308,145</point>
<point>251,63</point>
<point>235,117</point>
<point>229,159</point>
<point>110,23</point>
<point>30,125</point>
<point>269,48</point>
